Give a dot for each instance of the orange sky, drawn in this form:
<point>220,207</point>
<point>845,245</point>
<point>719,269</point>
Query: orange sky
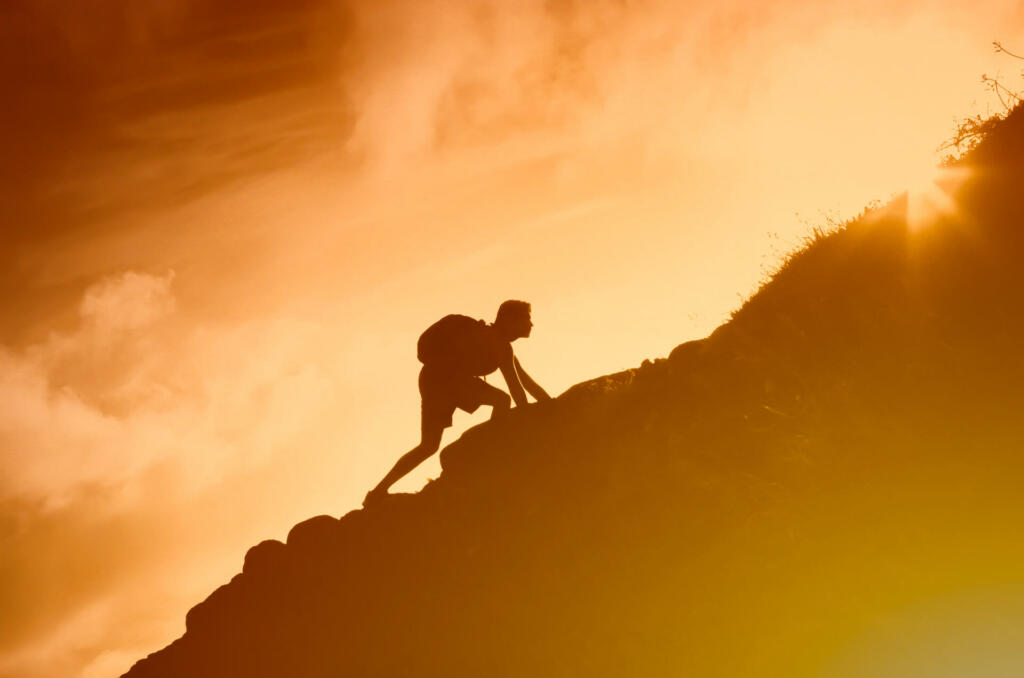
<point>226,230</point>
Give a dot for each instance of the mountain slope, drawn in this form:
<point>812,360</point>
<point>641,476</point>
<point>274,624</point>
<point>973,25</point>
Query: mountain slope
<point>846,448</point>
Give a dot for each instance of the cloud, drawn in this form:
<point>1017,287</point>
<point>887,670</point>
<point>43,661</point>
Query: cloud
<point>56,435</point>
<point>136,422</point>
<point>160,103</point>
<point>129,389</point>
<point>121,105</point>
<point>123,112</point>
<point>129,302</point>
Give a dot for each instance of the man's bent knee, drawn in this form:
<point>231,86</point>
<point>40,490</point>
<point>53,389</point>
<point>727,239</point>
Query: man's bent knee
<point>501,401</point>
<point>501,404</point>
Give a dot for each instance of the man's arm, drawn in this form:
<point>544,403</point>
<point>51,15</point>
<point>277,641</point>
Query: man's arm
<point>532,387</point>
<point>508,370</point>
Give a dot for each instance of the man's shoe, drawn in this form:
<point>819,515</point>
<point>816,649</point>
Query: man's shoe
<point>374,496</point>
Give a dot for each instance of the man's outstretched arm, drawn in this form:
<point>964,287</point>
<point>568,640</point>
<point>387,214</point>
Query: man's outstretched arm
<point>515,388</point>
<point>532,387</point>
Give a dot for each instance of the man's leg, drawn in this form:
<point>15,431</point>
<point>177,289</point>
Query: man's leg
<point>430,441</point>
<point>496,398</point>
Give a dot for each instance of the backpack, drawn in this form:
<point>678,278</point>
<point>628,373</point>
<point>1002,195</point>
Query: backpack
<point>459,344</point>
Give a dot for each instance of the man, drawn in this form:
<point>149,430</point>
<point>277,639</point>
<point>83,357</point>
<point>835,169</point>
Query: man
<point>447,386</point>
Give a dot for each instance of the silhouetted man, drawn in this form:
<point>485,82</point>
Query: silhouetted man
<point>457,351</point>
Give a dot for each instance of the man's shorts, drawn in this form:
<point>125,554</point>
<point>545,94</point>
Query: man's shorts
<point>443,392</point>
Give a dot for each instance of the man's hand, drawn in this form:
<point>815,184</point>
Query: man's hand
<point>532,387</point>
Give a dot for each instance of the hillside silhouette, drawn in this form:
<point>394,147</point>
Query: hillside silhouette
<point>847,447</point>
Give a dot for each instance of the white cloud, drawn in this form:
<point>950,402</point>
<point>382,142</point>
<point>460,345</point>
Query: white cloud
<point>129,301</point>
<point>130,422</point>
<point>128,388</point>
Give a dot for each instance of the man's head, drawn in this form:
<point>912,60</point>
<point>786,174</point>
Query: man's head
<point>513,319</point>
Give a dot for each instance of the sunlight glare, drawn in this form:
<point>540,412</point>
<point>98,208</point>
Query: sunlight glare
<point>930,195</point>
<point>976,633</point>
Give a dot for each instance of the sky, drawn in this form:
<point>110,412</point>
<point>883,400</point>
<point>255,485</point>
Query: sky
<point>227,223</point>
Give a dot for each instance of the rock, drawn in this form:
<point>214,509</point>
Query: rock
<point>265,559</point>
<point>309,533</point>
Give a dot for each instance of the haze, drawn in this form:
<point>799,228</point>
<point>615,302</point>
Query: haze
<point>225,229</point>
